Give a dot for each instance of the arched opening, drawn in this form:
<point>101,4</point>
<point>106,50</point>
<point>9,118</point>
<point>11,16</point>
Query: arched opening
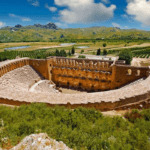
<point>80,84</point>
<point>92,88</point>
<point>138,72</point>
<point>68,84</point>
<point>129,71</point>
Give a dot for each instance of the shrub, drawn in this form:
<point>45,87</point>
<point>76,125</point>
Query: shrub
<point>57,52</point>
<point>81,56</point>
<point>133,115</point>
<point>79,128</point>
<point>146,114</point>
<point>37,54</point>
<point>126,55</point>
<point>73,50</point>
<point>104,44</point>
<point>82,51</point>
<point>98,52</point>
<point>69,53</point>
<point>104,52</point>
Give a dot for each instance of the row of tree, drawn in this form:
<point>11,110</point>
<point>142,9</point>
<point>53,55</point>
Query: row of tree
<point>99,52</point>
<point>123,55</point>
<point>37,54</point>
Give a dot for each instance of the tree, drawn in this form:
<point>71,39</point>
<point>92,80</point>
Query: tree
<point>94,42</point>
<point>57,53</point>
<point>104,44</point>
<point>81,56</point>
<point>63,53</point>
<point>98,52</point>
<point>61,36</point>
<point>82,51</point>
<point>126,55</point>
<point>104,52</point>
<point>69,53</point>
<point>73,50</point>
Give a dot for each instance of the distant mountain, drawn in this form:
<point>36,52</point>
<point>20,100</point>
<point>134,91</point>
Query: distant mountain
<point>48,26</point>
<point>35,26</point>
<point>50,32</point>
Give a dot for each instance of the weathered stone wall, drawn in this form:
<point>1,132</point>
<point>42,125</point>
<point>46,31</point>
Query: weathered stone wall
<point>40,65</point>
<point>82,74</point>
<point>137,102</point>
<point>124,74</point>
<point>89,75</point>
<point>13,65</point>
<point>93,75</point>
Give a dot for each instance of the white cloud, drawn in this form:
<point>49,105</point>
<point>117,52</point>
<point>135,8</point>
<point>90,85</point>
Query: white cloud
<point>84,11</point>
<point>24,19</point>
<point>105,1</point>
<point>119,26</point>
<point>12,15</point>
<point>2,24</point>
<point>34,2</point>
<point>126,27</point>
<point>52,9</point>
<point>72,2</point>
<point>140,9</point>
<point>125,16</point>
<point>116,25</point>
<point>61,25</point>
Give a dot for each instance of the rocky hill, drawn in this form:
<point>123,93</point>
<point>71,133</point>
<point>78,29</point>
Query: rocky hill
<point>35,26</point>
<point>50,32</point>
<point>48,26</point>
<point>40,142</point>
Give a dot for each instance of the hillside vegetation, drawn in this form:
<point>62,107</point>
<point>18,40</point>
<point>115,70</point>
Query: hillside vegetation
<point>81,128</point>
<point>139,52</point>
<point>50,32</point>
<point>37,54</point>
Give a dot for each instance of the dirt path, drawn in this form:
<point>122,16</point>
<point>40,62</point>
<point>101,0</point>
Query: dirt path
<point>140,62</point>
<point>56,46</point>
<point>96,57</point>
<point>114,113</point>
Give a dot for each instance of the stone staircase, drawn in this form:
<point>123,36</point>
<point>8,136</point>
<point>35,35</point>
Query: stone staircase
<point>20,79</point>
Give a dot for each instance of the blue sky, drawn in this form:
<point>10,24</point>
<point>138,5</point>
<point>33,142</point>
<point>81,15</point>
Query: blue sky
<point>125,14</point>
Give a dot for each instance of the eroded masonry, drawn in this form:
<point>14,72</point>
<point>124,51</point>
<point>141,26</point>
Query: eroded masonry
<point>87,75</point>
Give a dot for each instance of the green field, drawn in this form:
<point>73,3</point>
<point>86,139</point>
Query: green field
<point>42,50</point>
<point>45,41</point>
<point>92,45</point>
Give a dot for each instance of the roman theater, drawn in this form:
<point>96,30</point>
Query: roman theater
<point>104,85</point>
